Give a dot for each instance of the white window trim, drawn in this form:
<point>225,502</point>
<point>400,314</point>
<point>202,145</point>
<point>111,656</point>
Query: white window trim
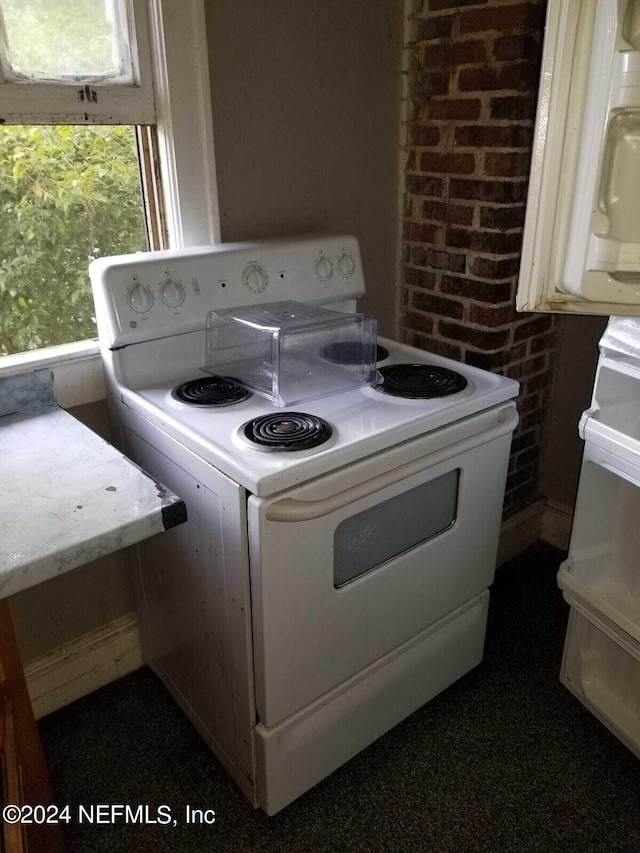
<point>184,119</point>
<point>187,162</point>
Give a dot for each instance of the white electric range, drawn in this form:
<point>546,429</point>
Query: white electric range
<point>319,592</point>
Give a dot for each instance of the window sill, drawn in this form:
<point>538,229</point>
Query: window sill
<point>76,368</point>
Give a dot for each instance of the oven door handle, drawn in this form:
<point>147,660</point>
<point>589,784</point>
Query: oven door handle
<point>290,509</point>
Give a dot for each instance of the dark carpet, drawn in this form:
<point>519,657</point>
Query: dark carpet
<point>504,760</point>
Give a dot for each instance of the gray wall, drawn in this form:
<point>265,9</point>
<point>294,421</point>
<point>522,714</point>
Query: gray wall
<point>306,100</point>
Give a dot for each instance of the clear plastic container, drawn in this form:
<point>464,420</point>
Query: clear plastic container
<point>289,352</point>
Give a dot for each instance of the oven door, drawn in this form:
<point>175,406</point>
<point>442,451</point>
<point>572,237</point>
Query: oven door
<point>347,567</point>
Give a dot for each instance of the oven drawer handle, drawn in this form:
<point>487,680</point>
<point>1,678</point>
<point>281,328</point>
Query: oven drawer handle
<point>290,509</point>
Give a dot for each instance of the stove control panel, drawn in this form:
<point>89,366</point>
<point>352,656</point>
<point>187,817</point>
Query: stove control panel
<point>155,294</point>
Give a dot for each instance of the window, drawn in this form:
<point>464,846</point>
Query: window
<point>102,104</point>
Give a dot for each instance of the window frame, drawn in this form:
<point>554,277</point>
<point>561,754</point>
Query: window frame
<point>42,102</point>
<point>176,58</point>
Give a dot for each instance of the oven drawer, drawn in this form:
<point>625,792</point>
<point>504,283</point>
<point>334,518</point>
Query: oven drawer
<point>334,592</point>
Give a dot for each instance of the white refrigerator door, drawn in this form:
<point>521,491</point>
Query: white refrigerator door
<point>581,250</point>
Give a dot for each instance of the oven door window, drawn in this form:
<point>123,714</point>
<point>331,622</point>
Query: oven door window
<point>373,537</point>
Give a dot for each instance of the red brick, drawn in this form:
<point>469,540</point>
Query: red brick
<point>420,232</point>
<point>479,338</point>
<point>437,5</point>
<point>428,85</point>
<point>523,17</point>
<point>419,277</point>
<point>418,322</point>
<point>529,403</point>
<point>507,165</point>
<point>485,136</point>
<point>423,134</point>
<point>516,47</point>
<point>492,317</point>
<point>491,360</point>
<point>435,346</point>
<point>410,275</point>
<point>494,268</point>
<point>502,192</point>
<point>532,420</point>
<point>465,109</point>
<point>530,328</point>
<point>536,383</point>
<point>444,261</point>
<point>453,54</point>
<point>526,368</point>
<point>513,107</point>
<point>502,218</point>
<point>489,242</point>
<point>522,496</point>
<point>411,162</point>
<point>527,439</point>
<point>439,305</point>
<point>520,77</point>
<point>434,27</point>
<point>522,476</point>
<point>452,164</point>
<point>482,291</point>
<point>423,185</point>
<point>543,342</point>
<point>452,214</point>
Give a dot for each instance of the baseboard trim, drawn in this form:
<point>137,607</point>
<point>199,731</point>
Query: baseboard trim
<point>83,665</point>
<point>520,531</point>
<point>556,525</point>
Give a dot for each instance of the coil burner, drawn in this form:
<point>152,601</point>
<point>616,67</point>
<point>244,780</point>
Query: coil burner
<point>420,381</point>
<point>286,431</point>
<point>210,391</point>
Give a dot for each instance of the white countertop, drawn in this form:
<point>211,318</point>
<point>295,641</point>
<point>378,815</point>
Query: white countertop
<point>68,497</point>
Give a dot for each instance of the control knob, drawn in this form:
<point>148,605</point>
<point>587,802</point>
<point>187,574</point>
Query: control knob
<point>140,298</point>
<point>346,265</point>
<point>324,269</point>
<point>172,293</point>
<point>255,278</point>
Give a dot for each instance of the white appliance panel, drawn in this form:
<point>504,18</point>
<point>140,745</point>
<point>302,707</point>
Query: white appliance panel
<point>307,747</point>
<point>152,294</point>
<point>194,589</point>
<point>296,605</point>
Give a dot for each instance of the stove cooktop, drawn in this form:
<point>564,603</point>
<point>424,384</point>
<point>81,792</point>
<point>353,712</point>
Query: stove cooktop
<point>362,421</point>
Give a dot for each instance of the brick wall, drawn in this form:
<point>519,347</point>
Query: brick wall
<point>471,75</point>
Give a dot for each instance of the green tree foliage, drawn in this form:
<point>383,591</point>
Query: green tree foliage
<point>68,195</point>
